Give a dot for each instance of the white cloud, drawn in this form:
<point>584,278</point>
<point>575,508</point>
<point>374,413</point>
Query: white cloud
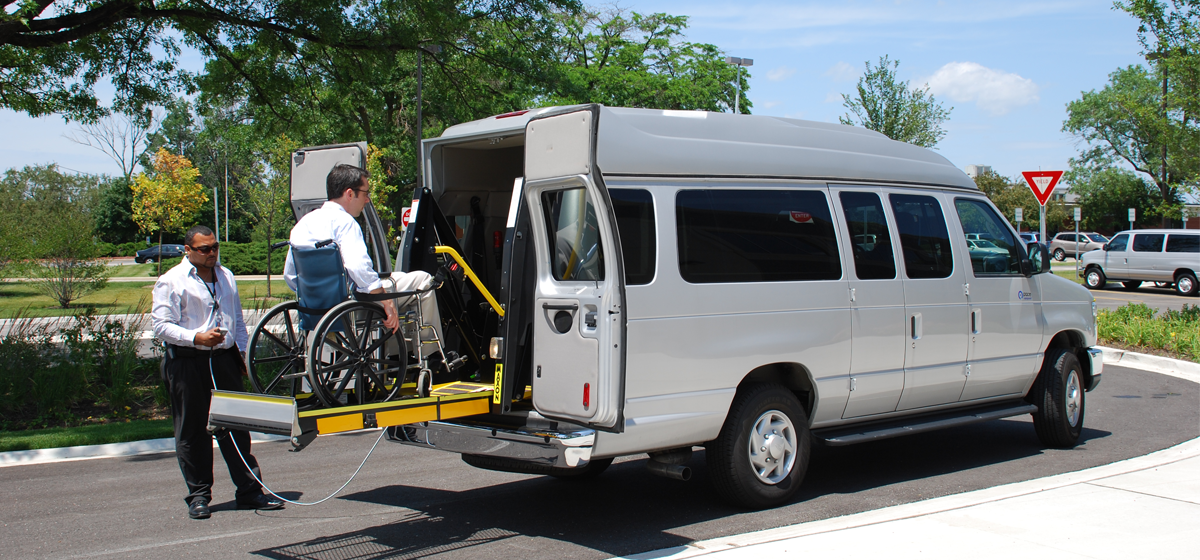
<point>994,91</point>
<point>780,74</point>
<point>769,104</point>
<point>790,14</point>
<point>842,72</point>
<point>833,97</point>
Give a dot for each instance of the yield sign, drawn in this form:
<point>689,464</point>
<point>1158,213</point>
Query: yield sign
<point>1042,183</point>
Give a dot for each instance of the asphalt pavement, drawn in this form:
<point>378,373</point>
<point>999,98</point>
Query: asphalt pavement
<point>411,502</point>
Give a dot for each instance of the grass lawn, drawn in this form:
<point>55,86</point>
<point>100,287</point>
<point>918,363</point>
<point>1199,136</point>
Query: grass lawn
<point>1069,275</point>
<point>120,297</point>
<point>97,434</point>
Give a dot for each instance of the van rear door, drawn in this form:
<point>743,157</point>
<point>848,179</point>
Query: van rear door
<point>578,305</point>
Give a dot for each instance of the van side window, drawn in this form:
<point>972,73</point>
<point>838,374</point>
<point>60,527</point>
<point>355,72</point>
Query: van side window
<point>755,236</point>
<point>869,236</point>
<point>990,244</point>
<point>1148,242</point>
<point>1118,243</point>
<point>1177,243</point>
<point>634,209</point>
<point>923,236</point>
<point>575,248</point>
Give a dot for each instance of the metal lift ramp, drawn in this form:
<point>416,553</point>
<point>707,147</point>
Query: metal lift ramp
<point>270,414</point>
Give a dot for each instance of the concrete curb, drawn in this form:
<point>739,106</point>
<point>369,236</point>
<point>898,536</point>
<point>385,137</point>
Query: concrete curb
<point>1157,364</point>
<point>84,452</point>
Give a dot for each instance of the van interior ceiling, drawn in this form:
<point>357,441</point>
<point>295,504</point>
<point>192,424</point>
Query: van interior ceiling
<point>472,184</point>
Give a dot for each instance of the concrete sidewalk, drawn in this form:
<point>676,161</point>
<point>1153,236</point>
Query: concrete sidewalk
<point>1145,507</point>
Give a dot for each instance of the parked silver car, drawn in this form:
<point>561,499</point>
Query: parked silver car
<point>1154,255</point>
<point>1064,244</point>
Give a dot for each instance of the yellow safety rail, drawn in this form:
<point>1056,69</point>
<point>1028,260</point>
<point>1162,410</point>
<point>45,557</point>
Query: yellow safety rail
<point>470,274</point>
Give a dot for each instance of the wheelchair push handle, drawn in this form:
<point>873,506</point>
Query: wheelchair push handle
<point>279,245</point>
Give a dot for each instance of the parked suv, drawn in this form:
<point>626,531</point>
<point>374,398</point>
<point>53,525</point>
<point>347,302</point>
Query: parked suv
<point>152,254</point>
<point>1154,255</point>
<point>1064,244</point>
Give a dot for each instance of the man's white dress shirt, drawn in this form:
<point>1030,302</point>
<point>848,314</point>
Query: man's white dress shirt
<point>331,221</point>
<point>184,306</point>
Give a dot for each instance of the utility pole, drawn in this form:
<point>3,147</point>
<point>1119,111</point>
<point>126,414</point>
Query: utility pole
<point>738,63</point>
<point>226,200</point>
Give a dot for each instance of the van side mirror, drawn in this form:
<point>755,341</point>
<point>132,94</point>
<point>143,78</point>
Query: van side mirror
<point>1038,261</point>
<point>1105,247</point>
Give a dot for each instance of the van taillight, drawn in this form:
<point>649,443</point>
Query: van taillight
<point>587,395</point>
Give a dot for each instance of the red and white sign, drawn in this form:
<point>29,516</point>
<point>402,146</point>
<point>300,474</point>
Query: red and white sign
<point>405,216</point>
<point>800,217</point>
<point>1042,183</point>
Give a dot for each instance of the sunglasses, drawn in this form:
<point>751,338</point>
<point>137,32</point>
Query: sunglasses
<point>206,249</point>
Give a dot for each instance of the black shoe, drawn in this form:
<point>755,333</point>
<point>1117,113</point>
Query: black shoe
<point>198,509</point>
<point>260,502</point>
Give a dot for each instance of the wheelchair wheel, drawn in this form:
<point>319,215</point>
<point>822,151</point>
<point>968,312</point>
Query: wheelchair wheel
<point>348,357</point>
<point>276,354</point>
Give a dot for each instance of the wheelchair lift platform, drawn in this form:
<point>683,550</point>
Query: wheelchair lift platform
<point>277,415</point>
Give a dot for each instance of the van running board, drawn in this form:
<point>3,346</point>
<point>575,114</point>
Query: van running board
<point>839,435</point>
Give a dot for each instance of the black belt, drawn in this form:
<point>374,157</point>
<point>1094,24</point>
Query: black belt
<point>174,351</point>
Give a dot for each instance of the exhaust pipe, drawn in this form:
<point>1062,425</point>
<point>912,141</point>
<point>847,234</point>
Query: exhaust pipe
<point>677,472</point>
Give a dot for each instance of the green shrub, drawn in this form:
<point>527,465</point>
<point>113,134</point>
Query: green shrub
<point>129,249</point>
<point>242,259</point>
<point>1135,324</point>
<point>105,249</point>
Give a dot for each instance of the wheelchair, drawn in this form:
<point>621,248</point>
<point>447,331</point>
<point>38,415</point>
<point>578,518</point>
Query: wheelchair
<point>329,347</point>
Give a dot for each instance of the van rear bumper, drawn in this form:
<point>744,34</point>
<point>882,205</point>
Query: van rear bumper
<point>567,449</point>
<point>1096,359</point>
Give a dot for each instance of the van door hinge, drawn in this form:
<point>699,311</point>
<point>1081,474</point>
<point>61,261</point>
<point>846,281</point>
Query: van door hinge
<point>967,371</point>
<point>853,384</point>
<point>966,289</point>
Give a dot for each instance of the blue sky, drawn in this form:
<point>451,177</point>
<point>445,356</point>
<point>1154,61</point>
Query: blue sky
<point>1007,67</point>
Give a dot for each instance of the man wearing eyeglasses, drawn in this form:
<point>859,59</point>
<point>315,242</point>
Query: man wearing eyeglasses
<point>195,310</point>
<point>348,192</point>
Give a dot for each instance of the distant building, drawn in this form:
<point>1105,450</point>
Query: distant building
<point>974,171</point>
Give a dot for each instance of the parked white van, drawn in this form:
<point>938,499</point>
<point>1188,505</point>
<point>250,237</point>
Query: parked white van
<point>1168,256</point>
<point>749,284</point>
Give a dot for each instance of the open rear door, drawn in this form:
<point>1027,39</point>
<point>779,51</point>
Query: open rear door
<point>310,167</point>
<point>578,307</point>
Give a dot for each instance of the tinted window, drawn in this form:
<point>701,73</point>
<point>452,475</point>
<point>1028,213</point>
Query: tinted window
<point>1066,237</point>
<point>869,236</point>
<point>1096,237</point>
<point>1118,243</point>
<point>923,236</point>
<point>1177,243</point>
<point>755,236</point>
<point>996,251</point>
<point>634,209</point>
<point>1148,242</point>
<point>574,236</point>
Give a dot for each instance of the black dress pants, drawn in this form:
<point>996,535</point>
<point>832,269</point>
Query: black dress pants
<point>190,387</point>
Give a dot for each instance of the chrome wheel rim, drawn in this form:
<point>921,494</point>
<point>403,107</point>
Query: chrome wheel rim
<point>1093,278</point>
<point>1184,285</point>
<point>772,447</point>
<point>1074,399</point>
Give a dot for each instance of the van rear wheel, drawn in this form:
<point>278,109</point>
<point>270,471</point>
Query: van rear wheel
<point>760,457</point>
<point>1059,395</point>
<point>1185,284</point>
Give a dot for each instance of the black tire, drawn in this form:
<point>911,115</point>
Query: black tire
<point>349,345</point>
<point>1131,285</point>
<point>730,457</point>
<point>275,360</point>
<point>1060,255</point>
<point>1094,278</point>
<point>504,464</point>
<point>1059,393</point>
<point>1185,284</point>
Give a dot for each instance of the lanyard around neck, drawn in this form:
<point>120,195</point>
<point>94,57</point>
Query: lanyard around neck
<point>211,291</point>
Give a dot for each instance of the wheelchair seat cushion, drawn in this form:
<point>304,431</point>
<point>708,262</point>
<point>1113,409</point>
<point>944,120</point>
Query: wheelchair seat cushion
<point>321,282</point>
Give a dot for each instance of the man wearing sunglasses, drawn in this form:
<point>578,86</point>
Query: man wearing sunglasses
<point>195,310</point>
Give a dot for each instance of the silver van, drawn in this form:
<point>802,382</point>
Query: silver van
<point>1169,256</point>
<point>753,285</point>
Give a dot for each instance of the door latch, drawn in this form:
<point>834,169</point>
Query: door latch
<point>589,319</point>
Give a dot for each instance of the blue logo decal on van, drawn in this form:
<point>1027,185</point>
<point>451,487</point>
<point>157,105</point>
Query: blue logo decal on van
<point>1021,294</point>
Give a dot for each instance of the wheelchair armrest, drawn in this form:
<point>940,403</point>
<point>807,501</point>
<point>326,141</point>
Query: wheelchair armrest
<point>359,296</point>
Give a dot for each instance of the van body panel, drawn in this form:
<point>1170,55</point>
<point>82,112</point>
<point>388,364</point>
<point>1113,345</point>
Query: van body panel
<point>666,421</point>
<point>876,304</point>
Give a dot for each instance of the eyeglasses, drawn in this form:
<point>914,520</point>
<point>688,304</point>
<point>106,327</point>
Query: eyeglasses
<point>206,249</point>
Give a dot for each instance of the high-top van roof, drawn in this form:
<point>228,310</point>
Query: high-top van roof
<point>652,142</point>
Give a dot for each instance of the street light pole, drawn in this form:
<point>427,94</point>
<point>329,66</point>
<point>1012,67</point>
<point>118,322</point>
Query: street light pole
<point>431,49</point>
<point>738,63</point>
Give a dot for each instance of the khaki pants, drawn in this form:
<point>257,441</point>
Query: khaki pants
<point>412,281</point>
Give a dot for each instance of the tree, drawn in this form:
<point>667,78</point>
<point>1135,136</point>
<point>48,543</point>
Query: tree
<point>270,197</point>
<point>119,137</point>
<point>62,254</point>
<point>113,215</point>
<point>167,200</point>
<point>1008,195</point>
<point>1125,122</point>
<point>888,106</point>
<point>1106,193</point>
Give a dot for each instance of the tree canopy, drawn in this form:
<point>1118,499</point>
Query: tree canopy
<point>887,105</point>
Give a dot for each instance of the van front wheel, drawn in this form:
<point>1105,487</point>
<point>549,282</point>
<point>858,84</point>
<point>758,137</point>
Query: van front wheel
<point>1059,395</point>
<point>760,457</point>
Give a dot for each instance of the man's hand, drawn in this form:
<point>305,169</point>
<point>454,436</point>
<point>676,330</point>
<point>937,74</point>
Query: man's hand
<point>392,320</point>
<point>211,337</point>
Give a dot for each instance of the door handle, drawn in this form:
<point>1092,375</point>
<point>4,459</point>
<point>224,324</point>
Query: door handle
<point>561,306</point>
<point>976,320</point>
<point>915,323</point>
